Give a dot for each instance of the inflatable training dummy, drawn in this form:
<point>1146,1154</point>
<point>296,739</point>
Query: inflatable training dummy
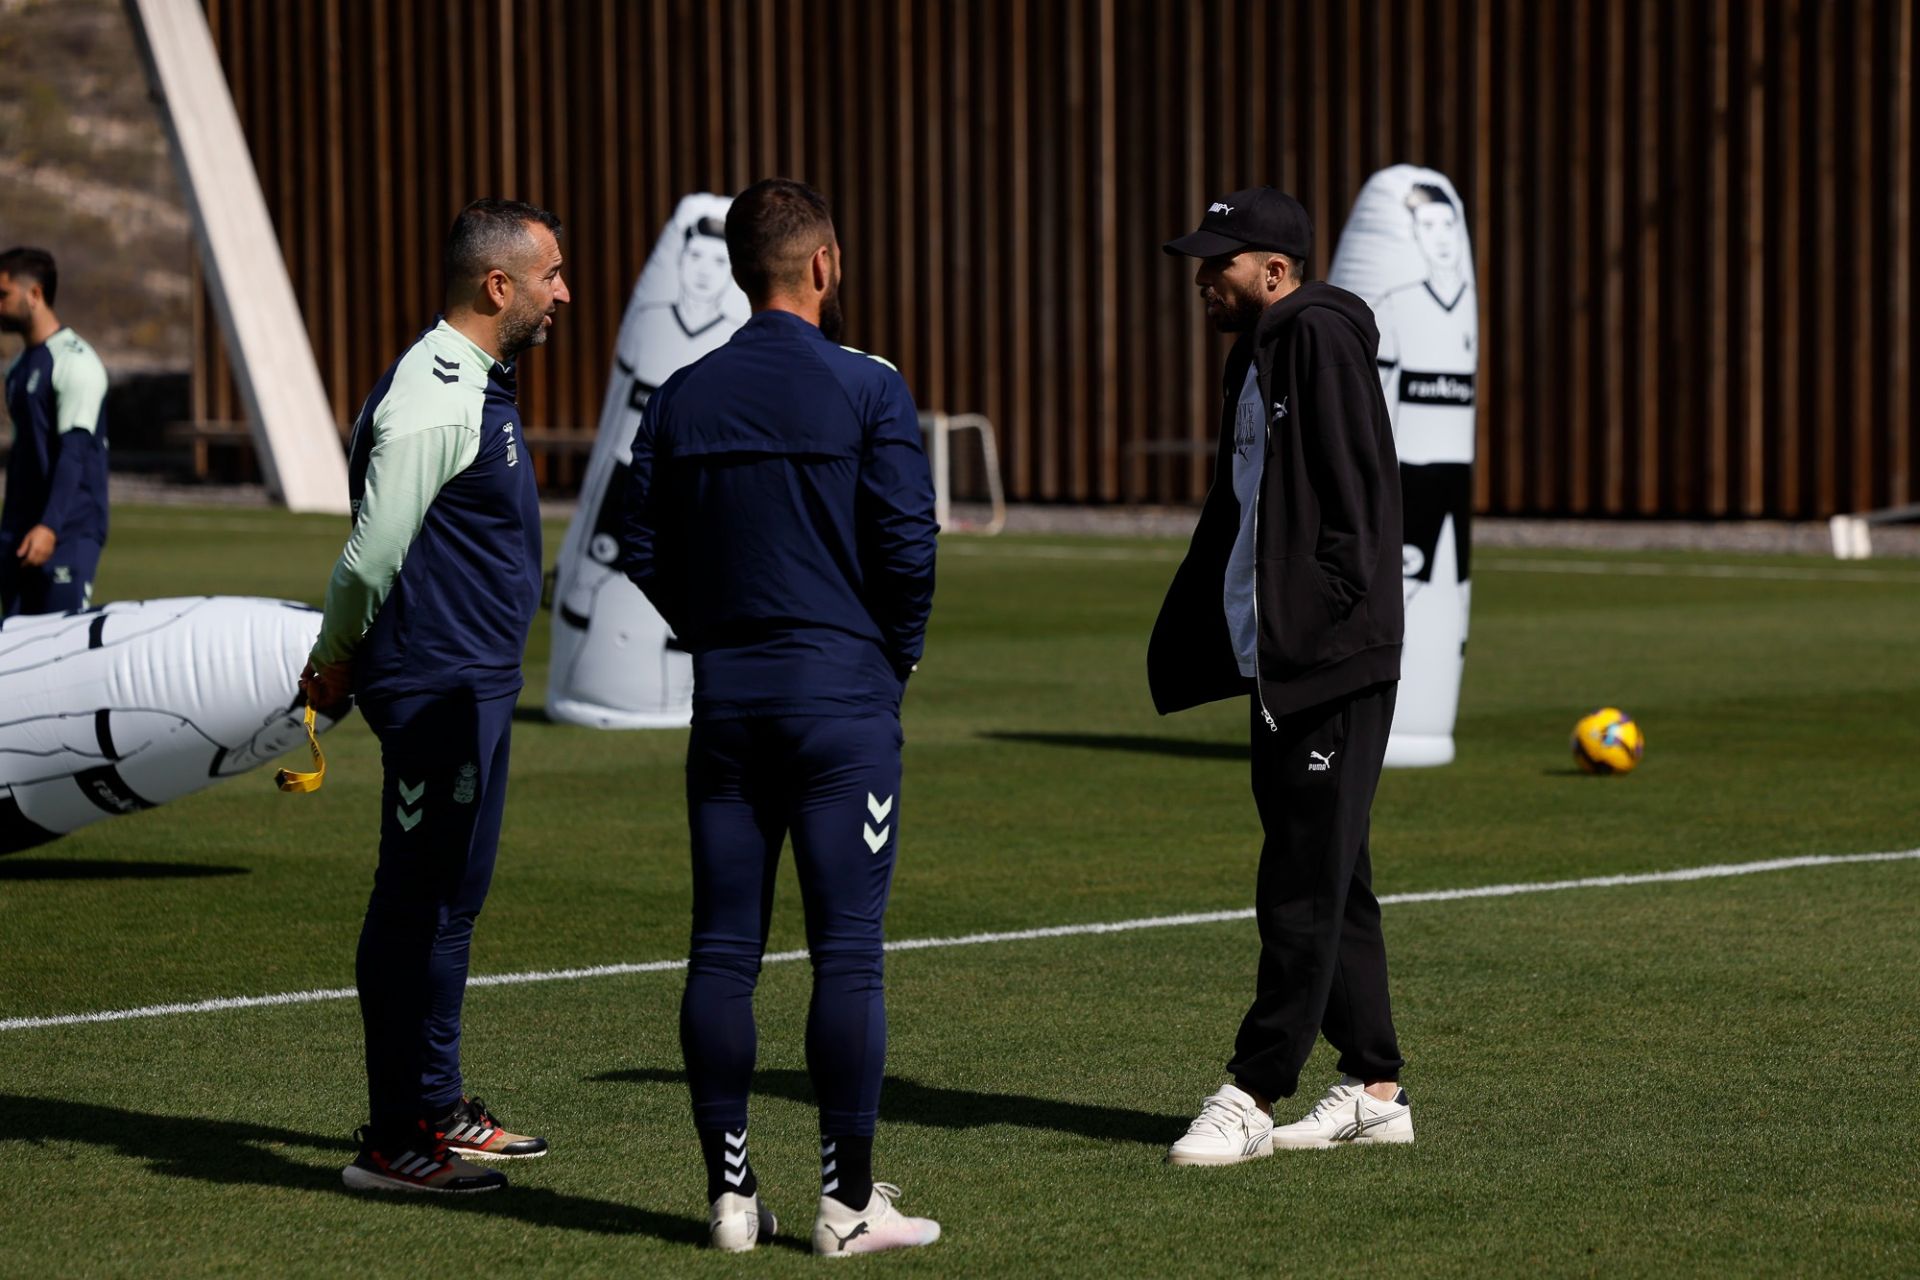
<point>128,706</point>
<point>615,665</point>
<point>1405,251</point>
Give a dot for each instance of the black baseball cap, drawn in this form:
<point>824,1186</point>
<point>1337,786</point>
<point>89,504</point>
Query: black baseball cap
<point>1258,218</point>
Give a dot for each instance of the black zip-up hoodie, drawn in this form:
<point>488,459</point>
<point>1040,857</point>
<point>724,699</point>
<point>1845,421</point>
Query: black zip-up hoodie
<point>1327,554</point>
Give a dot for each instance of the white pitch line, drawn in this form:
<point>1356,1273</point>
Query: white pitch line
<point>1712,871</point>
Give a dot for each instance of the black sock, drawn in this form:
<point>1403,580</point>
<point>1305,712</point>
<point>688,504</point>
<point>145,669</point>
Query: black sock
<point>725,1151</point>
<point>846,1169</point>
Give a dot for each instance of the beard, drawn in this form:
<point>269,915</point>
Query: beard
<point>1236,314</point>
<point>832,318</point>
<point>12,324</point>
<point>520,330</point>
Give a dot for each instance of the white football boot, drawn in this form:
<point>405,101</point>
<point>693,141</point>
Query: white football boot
<point>840,1232</point>
<point>1230,1128</point>
<point>737,1223</point>
<point>1349,1114</point>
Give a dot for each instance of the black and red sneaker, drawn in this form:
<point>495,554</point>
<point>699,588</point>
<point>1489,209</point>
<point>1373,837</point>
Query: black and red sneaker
<point>414,1160</point>
<point>471,1130</point>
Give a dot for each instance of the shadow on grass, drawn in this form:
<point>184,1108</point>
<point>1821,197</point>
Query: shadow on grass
<point>228,1152</point>
<point>1185,748</point>
<point>16,868</point>
<point>905,1101</point>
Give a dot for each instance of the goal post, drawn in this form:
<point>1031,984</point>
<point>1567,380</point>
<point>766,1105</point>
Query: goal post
<point>940,428</point>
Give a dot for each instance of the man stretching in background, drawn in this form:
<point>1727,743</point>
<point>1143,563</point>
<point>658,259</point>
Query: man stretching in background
<point>54,521</point>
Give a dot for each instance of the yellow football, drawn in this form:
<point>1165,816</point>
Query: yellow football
<point>1608,741</point>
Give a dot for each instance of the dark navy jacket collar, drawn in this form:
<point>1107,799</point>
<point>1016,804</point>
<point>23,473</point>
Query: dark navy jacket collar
<point>783,322</point>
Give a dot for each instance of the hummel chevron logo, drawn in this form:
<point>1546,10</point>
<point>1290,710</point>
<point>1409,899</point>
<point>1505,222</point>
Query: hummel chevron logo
<point>879,809</point>
<point>1320,763</point>
<point>409,819</point>
<point>448,378</point>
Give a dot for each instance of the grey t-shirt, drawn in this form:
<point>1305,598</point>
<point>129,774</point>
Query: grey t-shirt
<point>1249,459</point>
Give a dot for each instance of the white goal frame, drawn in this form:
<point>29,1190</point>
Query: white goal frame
<point>940,429</point>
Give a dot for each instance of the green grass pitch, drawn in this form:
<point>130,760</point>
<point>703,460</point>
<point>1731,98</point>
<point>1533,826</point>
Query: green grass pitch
<point>1711,1077</point>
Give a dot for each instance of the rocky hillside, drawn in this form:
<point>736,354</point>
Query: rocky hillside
<point>84,173</point>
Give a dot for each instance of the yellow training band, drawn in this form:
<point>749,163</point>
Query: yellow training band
<point>288,780</point>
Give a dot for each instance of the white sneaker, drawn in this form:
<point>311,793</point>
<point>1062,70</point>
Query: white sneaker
<point>737,1223</point>
<point>840,1232</point>
<point>1230,1128</point>
<point>1349,1114</point>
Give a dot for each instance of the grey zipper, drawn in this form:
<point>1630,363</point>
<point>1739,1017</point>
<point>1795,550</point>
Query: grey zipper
<point>1266,432</point>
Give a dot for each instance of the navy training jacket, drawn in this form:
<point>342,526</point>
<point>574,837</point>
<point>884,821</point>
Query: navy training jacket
<point>779,515</point>
<point>456,616</point>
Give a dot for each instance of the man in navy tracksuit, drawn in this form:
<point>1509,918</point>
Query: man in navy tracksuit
<point>53,519</point>
<point>426,616</point>
<point>780,517</point>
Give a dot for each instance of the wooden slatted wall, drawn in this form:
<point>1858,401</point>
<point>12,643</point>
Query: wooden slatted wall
<point>1694,219</point>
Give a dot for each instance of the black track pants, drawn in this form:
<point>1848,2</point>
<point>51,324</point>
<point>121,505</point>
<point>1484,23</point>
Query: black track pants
<point>1323,962</point>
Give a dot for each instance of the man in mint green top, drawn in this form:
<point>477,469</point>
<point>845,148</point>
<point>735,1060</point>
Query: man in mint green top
<point>54,520</point>
<point>426,616</point>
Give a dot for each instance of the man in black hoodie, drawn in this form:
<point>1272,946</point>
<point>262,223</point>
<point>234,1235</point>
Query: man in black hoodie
<point>1290,596</point>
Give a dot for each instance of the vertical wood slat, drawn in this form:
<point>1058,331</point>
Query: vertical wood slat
<point>1902,350</point>
<point>1692,223</point>
<point>1646,265</point>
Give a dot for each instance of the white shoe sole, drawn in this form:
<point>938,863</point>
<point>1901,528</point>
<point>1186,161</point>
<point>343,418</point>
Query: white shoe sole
<point>1197,1158</point>
<point>1328,1144</point>
<point>818,1252</point>
<point>364,1180</point>
<point>468,1153</point>
<point>769,1225</point>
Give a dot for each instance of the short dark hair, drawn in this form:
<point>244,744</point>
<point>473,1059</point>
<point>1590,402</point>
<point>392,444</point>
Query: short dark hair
<point>773,227</point>
<point>715,227</point>
<point>1428,193</point>
<point>486,234</point>
<point>36,265</point>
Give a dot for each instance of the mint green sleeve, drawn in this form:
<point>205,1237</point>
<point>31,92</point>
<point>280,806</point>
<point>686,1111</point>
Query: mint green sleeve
<point>405,472</point>
<point>79,389</point>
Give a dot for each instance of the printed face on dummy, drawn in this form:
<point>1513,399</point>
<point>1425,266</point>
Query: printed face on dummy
<point>704,269</point>
<point>1436,229</point>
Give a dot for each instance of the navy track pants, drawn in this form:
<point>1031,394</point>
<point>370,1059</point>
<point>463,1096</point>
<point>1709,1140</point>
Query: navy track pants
<point>445,760</point>
<point>833,782</point>
<point>61,585</point>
